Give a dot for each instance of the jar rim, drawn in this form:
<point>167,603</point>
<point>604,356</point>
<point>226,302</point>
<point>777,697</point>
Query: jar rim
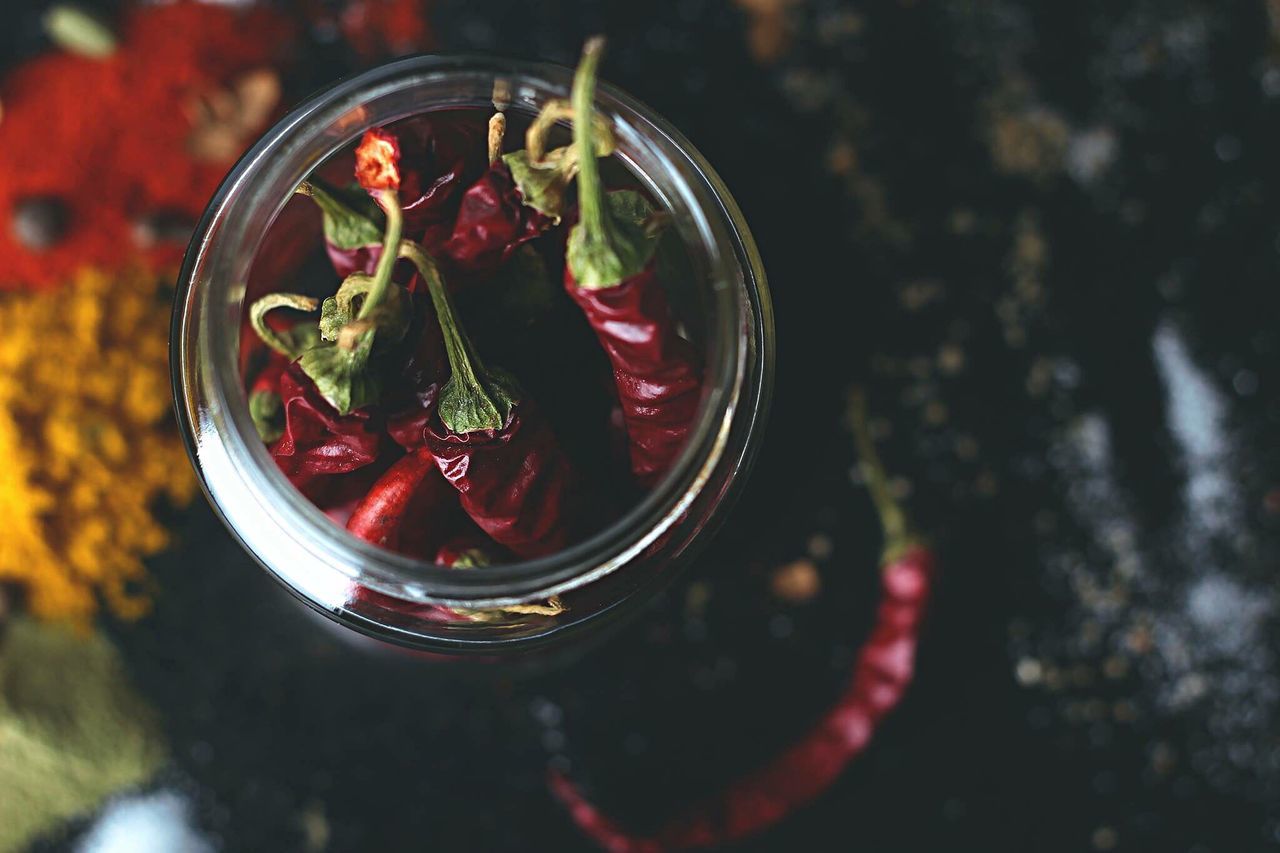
<point>726,395</point>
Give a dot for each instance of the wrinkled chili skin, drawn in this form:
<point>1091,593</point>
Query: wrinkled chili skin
<point>657,372</point>
<point>493,221</point>
<point>439,160</point>
<point>881,675</point>
<point>515,483</point>
<point>408,509</point>
<point>317,440</point>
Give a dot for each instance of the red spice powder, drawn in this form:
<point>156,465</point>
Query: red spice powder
<point>376,28</point>
<point>110,137</point>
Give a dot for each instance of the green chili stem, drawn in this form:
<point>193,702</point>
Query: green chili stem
<point>896,530</point>
<point>266,304</point>
<point>390,203</point>
<point>594,219</point>
<point>463,360</point>
<point>325,200</point>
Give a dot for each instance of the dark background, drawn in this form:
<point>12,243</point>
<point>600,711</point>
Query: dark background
<point>1046,237</point>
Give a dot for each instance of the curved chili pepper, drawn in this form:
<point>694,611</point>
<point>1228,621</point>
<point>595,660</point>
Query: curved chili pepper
<point>803,772</point>
<point>514,482</point>
<point>495,448</point>
<point>518,198</point>
<point>437,161</point>
<point>657,371</point>
<point>610,273</point>
<point>493,221</point>
<point>346,365</point>
<point>318,440</point>
<point>441,159</point>
<point>338,495</point>
<point>407,509</point>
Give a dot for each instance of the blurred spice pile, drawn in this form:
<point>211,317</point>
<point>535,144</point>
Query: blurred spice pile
<point>85,425</point>
<point>114,138</point>
<point>114,135</point>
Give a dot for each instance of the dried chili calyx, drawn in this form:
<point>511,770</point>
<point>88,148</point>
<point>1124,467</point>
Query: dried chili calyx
<point>475,397</point>
<point>340,366</point>
<point>339,312</point>
<point>542,185</point>
<point>349,215</point>
<point>612,240</point>
<point>352,233</point>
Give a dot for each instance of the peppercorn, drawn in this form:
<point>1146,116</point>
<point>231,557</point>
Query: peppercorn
<point>40,222</point>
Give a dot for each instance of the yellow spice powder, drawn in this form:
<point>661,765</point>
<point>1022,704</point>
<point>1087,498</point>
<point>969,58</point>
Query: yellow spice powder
<point>87,443</point>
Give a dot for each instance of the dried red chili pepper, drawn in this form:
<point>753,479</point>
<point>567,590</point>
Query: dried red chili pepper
<point>513,202</point>
<point>434,165</point>
<point>803,772</point>
<point>465,550</point>
<point>518,198</point>
<point>495,447</point>
<point>342,365</point>
<point>408,425</point>
<point>408,509</point>
<point>314,439</point>
<point>611,274</point>
<point>352,238</point>
<point>317,440</point>
<point>494,219</point>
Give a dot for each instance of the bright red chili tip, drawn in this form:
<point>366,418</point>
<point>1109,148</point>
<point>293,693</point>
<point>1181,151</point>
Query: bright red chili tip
<point>378,160</point>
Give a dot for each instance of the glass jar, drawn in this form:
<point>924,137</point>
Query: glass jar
<point>598,579</point>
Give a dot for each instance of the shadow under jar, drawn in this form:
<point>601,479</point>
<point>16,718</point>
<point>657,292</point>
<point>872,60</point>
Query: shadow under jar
<point>598,578</point>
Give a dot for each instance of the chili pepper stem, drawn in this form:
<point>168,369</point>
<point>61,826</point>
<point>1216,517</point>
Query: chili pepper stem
<point>389,201</point>
<point>898,535</point>
<point>593,217</point>
<point>497,132</point>
<point>552,113</point>
<point>473,398</point>
<point>608,244</point>
<point>266,304</point>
